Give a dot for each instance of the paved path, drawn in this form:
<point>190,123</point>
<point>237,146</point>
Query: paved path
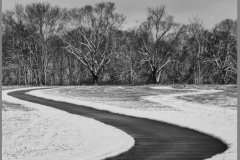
<point>154,140</point>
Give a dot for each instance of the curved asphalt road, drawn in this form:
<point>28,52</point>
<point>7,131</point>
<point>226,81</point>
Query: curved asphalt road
<point>154,140</point>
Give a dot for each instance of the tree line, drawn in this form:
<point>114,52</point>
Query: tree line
<point>49,45</point>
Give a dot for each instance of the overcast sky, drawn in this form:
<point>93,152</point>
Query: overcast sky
<point>211,11</point>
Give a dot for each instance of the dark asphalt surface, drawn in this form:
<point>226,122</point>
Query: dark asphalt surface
<point>154,140</point>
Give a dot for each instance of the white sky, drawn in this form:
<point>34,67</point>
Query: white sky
<point>211,11</point>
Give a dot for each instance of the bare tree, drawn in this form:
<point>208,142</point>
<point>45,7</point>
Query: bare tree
<point>126,54</point>
<point>15,37</point>
<point>197,46</point>
<point>89,35</point>
<point>159,35</point>
<point>222,50</point>
<point>46,20</point>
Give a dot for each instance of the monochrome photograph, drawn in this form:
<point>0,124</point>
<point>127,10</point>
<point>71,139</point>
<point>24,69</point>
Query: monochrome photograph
<point>119,80</point>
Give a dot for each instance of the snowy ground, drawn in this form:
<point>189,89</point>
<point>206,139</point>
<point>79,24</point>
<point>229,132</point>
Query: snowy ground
<point>160,103</point>
<point>33,132</point>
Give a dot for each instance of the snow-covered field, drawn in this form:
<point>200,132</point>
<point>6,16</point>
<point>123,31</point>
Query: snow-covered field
<point>214,120</point>
<point>33,132</point>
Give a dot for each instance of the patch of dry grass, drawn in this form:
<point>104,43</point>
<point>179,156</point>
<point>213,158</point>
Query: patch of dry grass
<point>7,106</point>
<point>206,87</point>
<point>131,96</point>
<point>227,98</point>
<point>124,96</point>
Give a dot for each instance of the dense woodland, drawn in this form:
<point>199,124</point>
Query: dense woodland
<point>48,45</point>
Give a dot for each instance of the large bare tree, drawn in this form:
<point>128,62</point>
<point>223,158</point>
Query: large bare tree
<point>159,35</point>
<point>90,35</point>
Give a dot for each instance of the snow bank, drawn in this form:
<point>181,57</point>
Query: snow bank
<point>216,121</point>
<point>48,133</point>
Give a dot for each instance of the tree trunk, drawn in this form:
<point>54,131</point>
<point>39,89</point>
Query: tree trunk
<point>31,77</point>
<point>70,70</point>
<point>95,79</point>
<point>199,74</point>
<point>51,80</point>
<point>223,79</point>
<point>39,78</point>
<point>61,70</point>
<point>25,75</point>
<point>154,76</point>
<point>158,76</point>
<point>31,71</point>
<point>131,78</point>
<point>45,77</point>
<point>19,75</point>
<point>223,76</point>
